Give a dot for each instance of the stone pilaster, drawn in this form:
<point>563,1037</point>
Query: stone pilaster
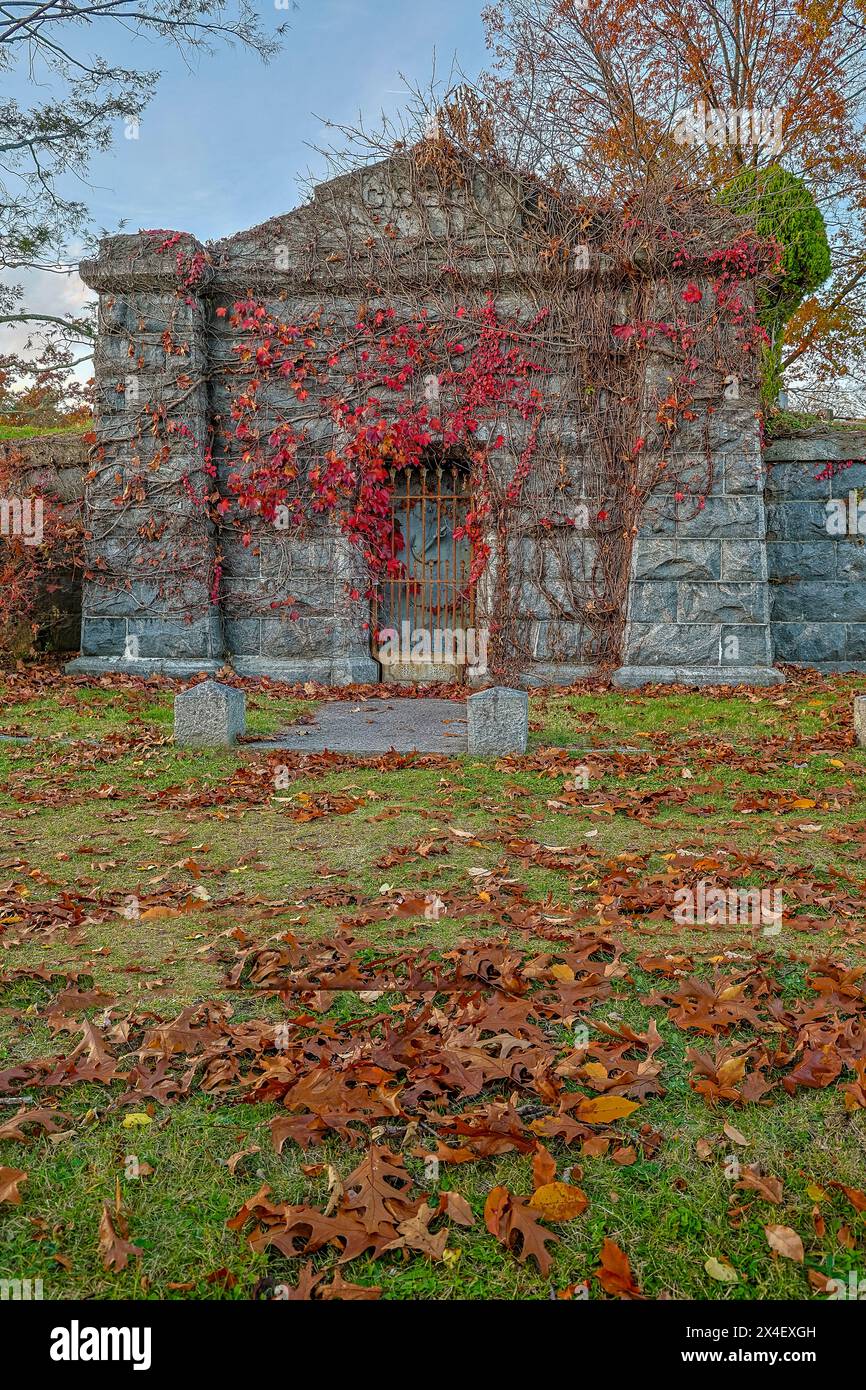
<point>699,603</point>
<point>147,597</point>
<point>816,547</point>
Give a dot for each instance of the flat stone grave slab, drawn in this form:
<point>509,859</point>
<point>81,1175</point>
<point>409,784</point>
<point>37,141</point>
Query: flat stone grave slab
<point>376,726</point>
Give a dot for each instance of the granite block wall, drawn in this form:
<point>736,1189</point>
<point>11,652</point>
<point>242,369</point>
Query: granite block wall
<point>816,548</point>
<point>699,606</point>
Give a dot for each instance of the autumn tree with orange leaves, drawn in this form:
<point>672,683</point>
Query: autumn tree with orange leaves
<point>594,93</point>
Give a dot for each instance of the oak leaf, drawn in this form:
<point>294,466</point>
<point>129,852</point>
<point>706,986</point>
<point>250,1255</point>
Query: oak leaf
<point>769,1188</point>
<point>515,1226</point>
<point>46,1120</point>
<point>543,1167</point>
<point>615,1274</point>
<point>340,1288</point>
<point>9,1180</point>
<point>113,1245</point>
<point>378,1189</point>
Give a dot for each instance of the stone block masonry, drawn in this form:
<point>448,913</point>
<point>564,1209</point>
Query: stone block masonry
<point>816,548</point>
<point>772,569</point>
<point>698,604</point>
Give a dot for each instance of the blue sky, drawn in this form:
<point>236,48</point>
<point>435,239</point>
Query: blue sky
<point>221,147</point>
<point>224,143</point>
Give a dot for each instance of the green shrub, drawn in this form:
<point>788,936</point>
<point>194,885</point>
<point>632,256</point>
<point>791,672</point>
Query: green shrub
<point>778,204</point>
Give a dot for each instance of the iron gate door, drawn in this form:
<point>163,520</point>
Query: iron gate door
<point>425,612</point>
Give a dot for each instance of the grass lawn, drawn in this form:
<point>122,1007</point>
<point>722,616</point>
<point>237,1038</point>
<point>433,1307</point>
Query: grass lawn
<point>38,431</point>
<point>439,1008</point>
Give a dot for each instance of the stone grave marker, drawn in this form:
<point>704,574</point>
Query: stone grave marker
<point>498,722</point>
<point>209,715</point>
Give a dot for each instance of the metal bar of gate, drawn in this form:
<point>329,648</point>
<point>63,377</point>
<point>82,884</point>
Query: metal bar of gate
<point>429,591</point>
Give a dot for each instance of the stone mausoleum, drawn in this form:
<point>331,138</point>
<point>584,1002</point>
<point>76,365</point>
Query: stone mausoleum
<point>714,593</point>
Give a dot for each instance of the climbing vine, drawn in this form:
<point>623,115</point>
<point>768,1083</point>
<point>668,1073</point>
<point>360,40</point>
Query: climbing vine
<point>396,395</point>
<point>41,550</point>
